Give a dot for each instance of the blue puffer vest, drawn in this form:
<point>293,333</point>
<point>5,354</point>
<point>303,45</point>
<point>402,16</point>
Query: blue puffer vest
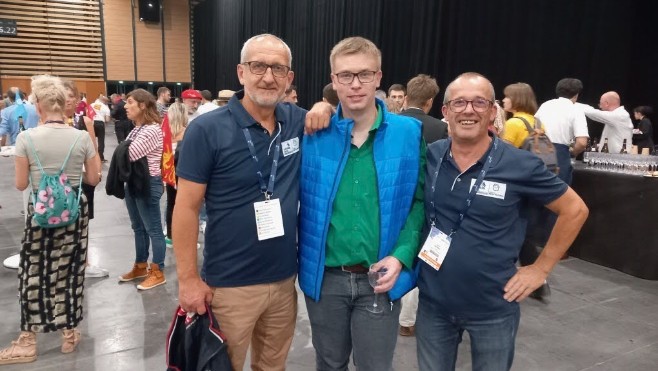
<point>396,153</point>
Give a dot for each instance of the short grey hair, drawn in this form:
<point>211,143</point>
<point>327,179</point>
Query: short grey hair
<point>469,75</point>
<point>245,47</point>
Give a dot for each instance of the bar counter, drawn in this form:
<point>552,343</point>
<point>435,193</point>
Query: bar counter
<point>622,229</point>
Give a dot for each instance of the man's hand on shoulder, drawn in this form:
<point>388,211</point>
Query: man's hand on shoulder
<point>193,294</point>
<point>318,117</point>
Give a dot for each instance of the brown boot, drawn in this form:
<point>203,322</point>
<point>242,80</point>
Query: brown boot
<point>155,278</point>
<point>139,270</point>
<point>22,350</point>
<point>70,339</point>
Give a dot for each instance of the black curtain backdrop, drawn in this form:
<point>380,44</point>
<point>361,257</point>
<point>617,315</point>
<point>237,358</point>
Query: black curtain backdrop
<point>608,44</point>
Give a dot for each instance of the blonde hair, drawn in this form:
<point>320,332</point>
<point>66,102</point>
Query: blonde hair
<point>49,93</point>
<point>355,45</point>
<point>177,114</point>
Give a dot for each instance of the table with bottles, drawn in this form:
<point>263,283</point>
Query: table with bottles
<point>621,193</point>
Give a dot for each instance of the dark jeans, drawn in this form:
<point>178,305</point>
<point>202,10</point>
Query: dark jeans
<point>438,337</point>
<point>146,223</point>
<point>122,128</point>
<point>99,128</point>
<point>171,201</point>
<point>340,324</point>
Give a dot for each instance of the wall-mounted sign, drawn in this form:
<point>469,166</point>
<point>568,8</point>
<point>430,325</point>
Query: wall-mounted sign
<point>8,27</point>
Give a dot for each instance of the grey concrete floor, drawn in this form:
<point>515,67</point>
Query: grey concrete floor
<point>597,318</point>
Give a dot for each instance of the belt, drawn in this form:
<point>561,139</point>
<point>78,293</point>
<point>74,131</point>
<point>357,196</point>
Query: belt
<point>357,269</point>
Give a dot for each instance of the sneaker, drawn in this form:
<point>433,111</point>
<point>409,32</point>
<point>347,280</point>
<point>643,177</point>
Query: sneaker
<point>22,350</point>
<point>92,271</point>
<point>202,227</point>
<point>139,270</point>
<point>155,278</point>
<point>407,331</point>
<point>12,262</point>
<point>168,242</point>
<point>198,246</point>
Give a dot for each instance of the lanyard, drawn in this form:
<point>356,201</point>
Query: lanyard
<point>472,193</point>
<point>269,189</point>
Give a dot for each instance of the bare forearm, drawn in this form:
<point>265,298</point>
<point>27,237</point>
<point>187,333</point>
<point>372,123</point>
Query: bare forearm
<point>579,146</point>
<point>185,233</point>
<point>564,233</point>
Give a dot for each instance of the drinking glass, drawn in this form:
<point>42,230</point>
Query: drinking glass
<point>373,277</point>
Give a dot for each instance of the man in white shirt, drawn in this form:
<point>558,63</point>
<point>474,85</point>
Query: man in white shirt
<point>564,123</point>
<point>206,103</point>
<point>617,121</point>
<point>101,116</point>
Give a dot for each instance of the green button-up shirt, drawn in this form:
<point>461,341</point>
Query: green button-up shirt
<point>353,236</point>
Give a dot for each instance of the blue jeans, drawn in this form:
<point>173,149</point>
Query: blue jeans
<point>146,223</point>
<point>438,337</point>
<point>340,324</point>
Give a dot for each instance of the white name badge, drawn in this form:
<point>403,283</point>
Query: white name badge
<point>491,189</point>
<point>435,248</point>
<point>269,220</point>
<point>290,146</point>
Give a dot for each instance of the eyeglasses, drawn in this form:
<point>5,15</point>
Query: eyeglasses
<point>364,77</point>
<point>478,104</point>
<point>260,68</point>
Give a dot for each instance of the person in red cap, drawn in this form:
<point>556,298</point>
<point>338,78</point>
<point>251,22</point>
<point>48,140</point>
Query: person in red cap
<point>191,100</point>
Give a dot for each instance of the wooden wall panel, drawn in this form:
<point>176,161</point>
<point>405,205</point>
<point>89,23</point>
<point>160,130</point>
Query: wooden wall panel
<point>148,47</point>
<point>117,26</point>
<point>177,40</point>
<point>149,50</point>
<point>92,87</point>
<point>58,37</point>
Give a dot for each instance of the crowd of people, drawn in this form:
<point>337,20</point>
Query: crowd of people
<point>439,211</point>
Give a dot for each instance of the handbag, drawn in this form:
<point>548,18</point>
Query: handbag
<point>195,343</point>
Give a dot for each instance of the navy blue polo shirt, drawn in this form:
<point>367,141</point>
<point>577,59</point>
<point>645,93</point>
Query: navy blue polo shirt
<point>215,152</point>
<point>484,250</point>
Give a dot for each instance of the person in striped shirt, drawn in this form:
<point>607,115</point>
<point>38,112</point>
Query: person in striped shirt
<point>144,211</point>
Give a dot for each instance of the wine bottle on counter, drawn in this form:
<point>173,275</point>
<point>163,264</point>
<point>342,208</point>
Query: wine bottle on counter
<point>623,148</point>
<point>588,149</point>
<point>605,146</point>
<point>595,145</point>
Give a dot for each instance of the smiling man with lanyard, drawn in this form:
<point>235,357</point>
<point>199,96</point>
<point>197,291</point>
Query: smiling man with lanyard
<point>244,159</point>
<point>477,187</point>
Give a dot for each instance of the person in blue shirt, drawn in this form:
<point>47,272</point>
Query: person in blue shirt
<point>243,159</point>
<point>9,117</point>
<point>476,194</point>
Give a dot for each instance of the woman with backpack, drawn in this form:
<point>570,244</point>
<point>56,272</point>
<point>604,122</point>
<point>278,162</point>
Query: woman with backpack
<point>49,159</point>
<point>144,144</point>
<point>521,102</point>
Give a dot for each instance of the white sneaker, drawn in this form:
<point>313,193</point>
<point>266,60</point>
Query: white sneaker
<point>13,261</point>
<point>202,227</point>
<point>95,272</point>
<point>198,246</point>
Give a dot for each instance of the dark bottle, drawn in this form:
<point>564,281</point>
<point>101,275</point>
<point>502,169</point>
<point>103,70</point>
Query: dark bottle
<point>623,148</point>
<point>21,127</point>
<point>595,145</point>
<point>605,146</point>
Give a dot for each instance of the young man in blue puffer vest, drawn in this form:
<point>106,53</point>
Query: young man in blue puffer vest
<point>361,205</point>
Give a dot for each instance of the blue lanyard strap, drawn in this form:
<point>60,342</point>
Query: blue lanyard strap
<point>474,188</point>
<point>269,189</point>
